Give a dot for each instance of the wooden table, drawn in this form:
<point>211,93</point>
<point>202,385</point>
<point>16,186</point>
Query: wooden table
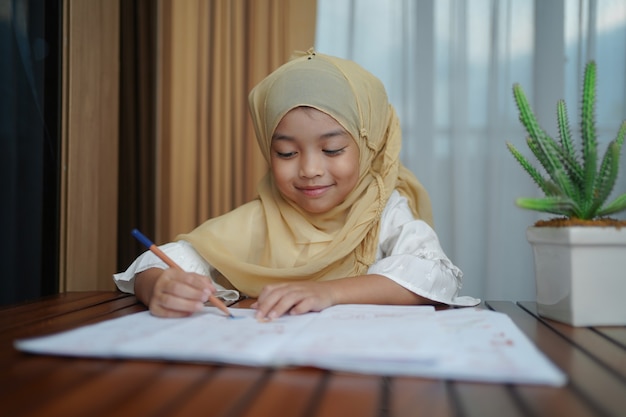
<point>30,385</point>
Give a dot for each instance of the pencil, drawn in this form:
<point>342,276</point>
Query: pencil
<point>158,252</point>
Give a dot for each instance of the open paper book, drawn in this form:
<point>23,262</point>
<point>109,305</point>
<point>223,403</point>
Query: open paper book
<point>464,344</point>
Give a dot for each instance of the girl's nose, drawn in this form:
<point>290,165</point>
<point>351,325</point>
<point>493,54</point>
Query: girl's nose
<point>311,166</point>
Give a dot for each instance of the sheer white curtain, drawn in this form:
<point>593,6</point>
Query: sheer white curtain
<point>449,67</point>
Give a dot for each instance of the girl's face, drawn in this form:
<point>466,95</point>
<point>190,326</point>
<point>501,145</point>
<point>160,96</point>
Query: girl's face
<point>314,160</point>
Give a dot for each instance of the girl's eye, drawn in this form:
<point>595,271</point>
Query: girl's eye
<point>285,155</point>
<point>334,152</point>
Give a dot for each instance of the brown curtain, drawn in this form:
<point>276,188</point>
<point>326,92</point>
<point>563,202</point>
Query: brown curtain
<point>137,131</point>
<point>211,53</point>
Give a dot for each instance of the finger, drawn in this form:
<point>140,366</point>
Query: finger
<point>202,281</point>
<point>269,296</point>
<point>167,305</point>
<point>282,300</point>
<point>265,301</point>
<point>179,294</point>
<point>190,286</point>
<point>306,305</point>
<point>184,291</point>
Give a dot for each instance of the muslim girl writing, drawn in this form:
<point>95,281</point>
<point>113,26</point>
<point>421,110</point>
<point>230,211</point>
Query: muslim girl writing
<point>338,219</point>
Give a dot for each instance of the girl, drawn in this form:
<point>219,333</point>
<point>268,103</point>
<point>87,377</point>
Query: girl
<point>338,218</point>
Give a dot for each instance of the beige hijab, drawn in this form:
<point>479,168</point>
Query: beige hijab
<point>271,240</point>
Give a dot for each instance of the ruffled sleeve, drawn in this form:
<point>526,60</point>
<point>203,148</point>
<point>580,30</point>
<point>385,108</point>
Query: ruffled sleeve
<point>184,255</point>
<point>409,253</point>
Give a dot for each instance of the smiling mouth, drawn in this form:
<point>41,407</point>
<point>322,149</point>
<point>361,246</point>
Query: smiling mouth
<point>314,191</point>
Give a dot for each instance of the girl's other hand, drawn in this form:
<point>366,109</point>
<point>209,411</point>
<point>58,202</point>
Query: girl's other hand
<point>292,298</point>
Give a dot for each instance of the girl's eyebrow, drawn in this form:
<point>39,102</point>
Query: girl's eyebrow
<point>327,135</point>
<point>333,133</point>
<point>280,136</point>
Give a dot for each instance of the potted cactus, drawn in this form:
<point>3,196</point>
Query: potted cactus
<point>580,255</point>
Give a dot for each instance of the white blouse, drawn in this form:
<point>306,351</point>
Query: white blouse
<point>408,253</point>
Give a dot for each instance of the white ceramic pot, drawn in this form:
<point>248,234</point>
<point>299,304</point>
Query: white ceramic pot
<point>580,274</point>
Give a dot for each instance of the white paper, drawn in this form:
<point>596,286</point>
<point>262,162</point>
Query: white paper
<point>462,344</point>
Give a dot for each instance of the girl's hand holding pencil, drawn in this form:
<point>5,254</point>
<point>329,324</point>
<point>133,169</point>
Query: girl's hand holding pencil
<point>173,292</point>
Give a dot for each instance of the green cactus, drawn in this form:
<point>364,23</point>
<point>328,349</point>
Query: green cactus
<point>573,185</point>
